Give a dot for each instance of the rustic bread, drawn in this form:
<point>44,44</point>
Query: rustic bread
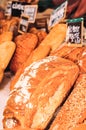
<point>25,43</point>
<point>73,112</point>
<point>76,54</point>
<point>38,92</point>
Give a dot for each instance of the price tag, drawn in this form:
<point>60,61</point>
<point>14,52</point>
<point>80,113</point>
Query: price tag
<point>58,14</point>
<point>8,10</point>
<point>23,26</point>
<point>75,31</point>
<point>18,8</point>
<point>31,11</point>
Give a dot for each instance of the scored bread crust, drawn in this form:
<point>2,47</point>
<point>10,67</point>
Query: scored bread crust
<point>73,111</point>
<point>39,92</point>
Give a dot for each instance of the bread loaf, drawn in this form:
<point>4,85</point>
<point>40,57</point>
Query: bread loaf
<point>38,92</point>
<point>6,52</point>
<point>40,34</point>
<point>25,43</point>
<point>6,36</point>
<point>73,112</point>
<point>76,54</point>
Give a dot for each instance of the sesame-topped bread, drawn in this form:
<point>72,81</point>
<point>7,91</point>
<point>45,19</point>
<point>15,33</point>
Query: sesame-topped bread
<point>73,111</point>
<point>39,92</point>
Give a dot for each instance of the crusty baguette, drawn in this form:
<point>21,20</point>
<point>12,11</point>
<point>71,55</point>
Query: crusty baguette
<point>56,36</point>
<point>73,111</point>
<point>39,91</point>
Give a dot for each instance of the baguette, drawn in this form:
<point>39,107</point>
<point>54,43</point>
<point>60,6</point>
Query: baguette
<point>73,112</point>
<point>56,36</point>
<point>39,92</point>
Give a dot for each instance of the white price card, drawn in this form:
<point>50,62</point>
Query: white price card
<point>23,25</point>
<point>58,14</point>
<point>31,11</point>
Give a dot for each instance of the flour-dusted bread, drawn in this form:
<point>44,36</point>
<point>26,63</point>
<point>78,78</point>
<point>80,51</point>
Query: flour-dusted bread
<point>39,91</point>
<point>73,112</point>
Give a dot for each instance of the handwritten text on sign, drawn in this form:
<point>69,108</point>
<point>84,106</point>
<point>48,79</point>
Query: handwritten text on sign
<point>74,31</point>
<point>74,34</point>
<point>58,14</point>
<point>31,11</point>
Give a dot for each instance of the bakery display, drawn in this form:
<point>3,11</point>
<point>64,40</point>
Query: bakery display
<point>47,76</point>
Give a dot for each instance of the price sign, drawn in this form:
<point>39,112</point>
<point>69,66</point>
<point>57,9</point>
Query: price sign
<point>58,14</point>
<point>23,26</point>
<point>8,10</point>
<point>75,31</point>
<point>31,11</point>
<point>18,8</point>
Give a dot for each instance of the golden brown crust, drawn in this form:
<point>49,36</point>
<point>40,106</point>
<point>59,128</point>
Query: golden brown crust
<point>56,36</point>
<point>80,127</point>
<point>6,52</point>
<point>73,111</point>
<point>24,46</point>
<point>39,91</point>
<point>6,36</point>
